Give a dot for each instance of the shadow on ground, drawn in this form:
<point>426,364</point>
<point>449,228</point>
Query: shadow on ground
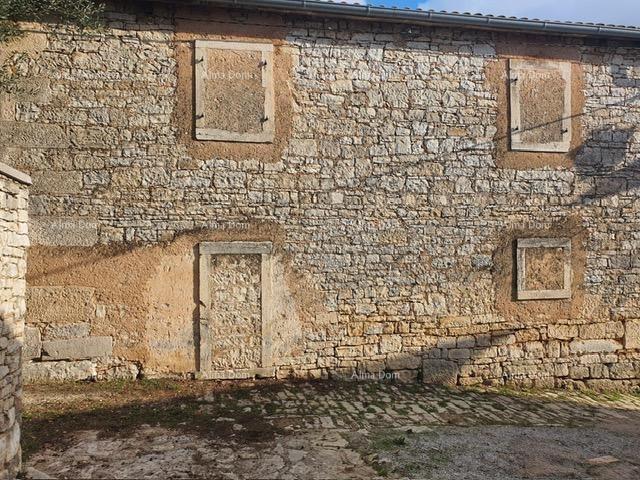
<point>327,429</point>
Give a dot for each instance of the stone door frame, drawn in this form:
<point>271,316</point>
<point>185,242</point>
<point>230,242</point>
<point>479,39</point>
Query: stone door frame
<point>206,250</point>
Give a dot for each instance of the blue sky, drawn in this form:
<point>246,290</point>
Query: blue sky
<point>619,12</point>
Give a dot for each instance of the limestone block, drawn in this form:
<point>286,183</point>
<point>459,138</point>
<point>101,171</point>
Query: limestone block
<point>440,372</point>
<point>13,443</point>
<point>594,346</point>
<point>4,438</point>
<point>32,343</point>
<point>303,147</point>
<point>602,330</point>
<point>578,373</point>
<point>563,332</point>
<point>390,343</point>
<point>95,137</point>
<point>37,135</point>
<point>116,370</point>
<point>66,331</point>
<point>77,348</point>
<point>624,370</point>
<point>63,231</point>
<point>347,352</point>
<point>460,353</point>
<point>632,334</point>
<point>403,361</point>
<point>34,372</point>
<point>56,182</point>
<point>60,304</point>
<point>466,341</point>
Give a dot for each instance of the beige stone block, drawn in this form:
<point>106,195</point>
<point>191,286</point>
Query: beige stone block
<point>126,178</point>
<point>624,370</point>
<point>349,351</point>
<point>602,330</point>
<point>32,343</point>
<point>466,341</point>
<point>12,443</point>
<point>63,231</point>
<point>56,182</point>
<point>632,334</point>
<point>563,332</point>
<point>390,343</point>
<point>371,350</point>
<point>528,335</point>
<point>94,137</point>
<point>32,135</point>
<point>561,370</point>
<point>579,373</point>
<point>594,346</point>
<point>77,348</point>
<point>439,372</point>
<point>35,372</point>
<point>403,361</point>
<point>459,353</point>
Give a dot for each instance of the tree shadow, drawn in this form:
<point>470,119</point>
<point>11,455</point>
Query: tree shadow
<point>257,415</point>
<point>603,165</point>
<point>607,162</point>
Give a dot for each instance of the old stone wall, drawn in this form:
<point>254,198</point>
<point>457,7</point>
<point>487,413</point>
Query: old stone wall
<point>390,194</point>
<point>13,267</point>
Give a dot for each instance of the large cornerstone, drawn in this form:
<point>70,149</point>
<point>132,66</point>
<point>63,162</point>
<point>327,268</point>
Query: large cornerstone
<point>228,192</point>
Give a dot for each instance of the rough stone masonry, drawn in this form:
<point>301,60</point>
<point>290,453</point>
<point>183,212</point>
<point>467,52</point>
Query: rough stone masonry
<point>13,247</point>
<point>449,204</point>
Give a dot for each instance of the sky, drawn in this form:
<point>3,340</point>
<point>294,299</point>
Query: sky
<point>618,12</point>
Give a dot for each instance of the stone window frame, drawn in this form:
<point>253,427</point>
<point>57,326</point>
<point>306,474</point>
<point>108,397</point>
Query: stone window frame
<point>205,251</point>
<point>525,243</point>
<point>517,69</point>
<point>201,71</point>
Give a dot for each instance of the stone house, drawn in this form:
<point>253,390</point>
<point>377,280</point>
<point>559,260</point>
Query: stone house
<point>299,188</point>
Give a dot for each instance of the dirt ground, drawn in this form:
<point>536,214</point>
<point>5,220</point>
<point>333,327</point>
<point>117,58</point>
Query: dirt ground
<point>174,429</point>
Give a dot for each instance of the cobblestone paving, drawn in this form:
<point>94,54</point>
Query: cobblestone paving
<point>369,430</point>
<point>388,405</point>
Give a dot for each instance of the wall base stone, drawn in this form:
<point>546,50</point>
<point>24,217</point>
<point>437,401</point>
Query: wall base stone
<point>440,372</point>
<point>34,372</point>
<point>77,348</point>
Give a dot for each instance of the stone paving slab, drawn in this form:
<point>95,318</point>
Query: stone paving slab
<point>365,430</point>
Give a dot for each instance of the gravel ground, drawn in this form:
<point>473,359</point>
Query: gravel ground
<point>509,453</point>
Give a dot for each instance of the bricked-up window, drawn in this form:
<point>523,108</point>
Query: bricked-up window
<point>540,97</point>
<point>234,91</point>
<point>543,268</point>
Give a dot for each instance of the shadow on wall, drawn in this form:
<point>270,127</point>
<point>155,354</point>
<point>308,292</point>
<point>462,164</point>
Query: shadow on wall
<point>603,163</point>
<point>603,160</point>
<point>463,360</point>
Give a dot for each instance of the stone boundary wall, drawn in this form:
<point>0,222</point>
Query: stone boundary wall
<point>13,267</point>
<point>390,196</point>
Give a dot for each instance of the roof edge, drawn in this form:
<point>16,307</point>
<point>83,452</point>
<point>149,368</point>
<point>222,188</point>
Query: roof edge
<point>431,17</point>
